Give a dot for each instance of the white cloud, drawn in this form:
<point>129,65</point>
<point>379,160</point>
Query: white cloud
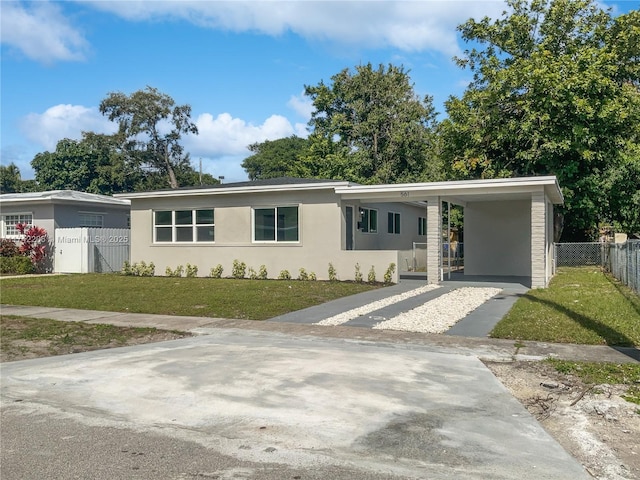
<point>63,121</point>
<point>41,32</point>
<point>225,135</point>
<point>406,25</point>
<point>302,105</point>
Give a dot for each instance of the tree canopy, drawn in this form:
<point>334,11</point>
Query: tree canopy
<point>555,91</point>
<point>150,126</point>
<point>370,126</point>
<point>276,158</point>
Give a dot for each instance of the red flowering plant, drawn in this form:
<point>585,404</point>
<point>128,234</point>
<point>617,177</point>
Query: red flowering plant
<point>34,243</point>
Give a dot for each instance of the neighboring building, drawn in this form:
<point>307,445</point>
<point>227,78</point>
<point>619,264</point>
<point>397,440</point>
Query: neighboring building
<point>63,209</point>
<point>288,224</point>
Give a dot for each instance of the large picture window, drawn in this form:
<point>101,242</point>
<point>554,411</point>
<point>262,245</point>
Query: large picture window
<point>394,223</point>
<point>10,222</point>
<point>369,220</point>
<point>275,224</point>
<point>184,226</point>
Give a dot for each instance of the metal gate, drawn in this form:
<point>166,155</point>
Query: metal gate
<point>91,250</point>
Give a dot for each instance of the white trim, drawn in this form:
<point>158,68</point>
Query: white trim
<point>275,231</point>
<point>231,190</point>
<point>406,191</point>
<point>173,226</point>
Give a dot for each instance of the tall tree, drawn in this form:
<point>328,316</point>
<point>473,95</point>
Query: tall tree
<point>275,158</point>
<point>370,126</point>
<point>555,91</point>
<point>10,180</point>
<point>150,126</point>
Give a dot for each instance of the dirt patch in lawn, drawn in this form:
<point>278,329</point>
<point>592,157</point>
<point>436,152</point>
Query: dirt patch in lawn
<point>23,338</point>
<point>592,422</point>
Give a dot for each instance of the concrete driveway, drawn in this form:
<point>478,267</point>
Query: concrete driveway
<point>250,404</point>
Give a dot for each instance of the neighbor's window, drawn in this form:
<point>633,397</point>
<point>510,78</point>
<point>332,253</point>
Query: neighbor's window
<point>394,223</point>
<point>369,220</point>
<point>10,222</point>
<point>183,226</point>
<point>276,224</point>
<point>422,226</point>
<point>91,220</point>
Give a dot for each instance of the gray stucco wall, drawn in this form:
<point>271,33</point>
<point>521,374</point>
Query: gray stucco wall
<point>498,238</point>
<point>321,235</point>
<point>68,215</point>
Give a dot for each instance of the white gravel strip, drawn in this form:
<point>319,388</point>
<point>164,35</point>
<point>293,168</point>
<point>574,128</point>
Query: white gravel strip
<point>440,314</point>
<point>372,307</point>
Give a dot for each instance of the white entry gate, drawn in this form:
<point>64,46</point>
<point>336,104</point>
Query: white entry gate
<point>90,250</point>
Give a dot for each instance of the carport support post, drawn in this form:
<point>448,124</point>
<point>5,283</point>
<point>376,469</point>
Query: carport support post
<point>538,240</point>
<point>434,239</point>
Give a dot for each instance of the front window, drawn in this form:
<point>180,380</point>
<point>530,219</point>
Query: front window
<point>369,220</point>
<point>91,220</point>
<point>276,224</point>
<point>184,226</point>
<point>422,226</point>
<point>394,223</point>
<point>10,222</point>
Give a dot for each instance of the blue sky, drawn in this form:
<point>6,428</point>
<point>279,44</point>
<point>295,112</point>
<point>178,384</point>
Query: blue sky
<point>242,66</point>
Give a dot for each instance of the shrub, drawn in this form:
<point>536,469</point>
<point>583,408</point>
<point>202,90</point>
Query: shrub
<point>303,275</point>
<point>371,277</point>
<point>33,243</point>
<point>17,265</point>
<point>191,270</point>
<point>312,277</point>
<point>358,274</point>
<point>333,276</point>
<point>262,273</point>
<point>139,269</point>
<point>284,275</point>
<point>8,248</point>
<point>174,273</point>
<point>239,269</point>
<point>252,274</point>
<point>389,273</point>
<point>216,272</point>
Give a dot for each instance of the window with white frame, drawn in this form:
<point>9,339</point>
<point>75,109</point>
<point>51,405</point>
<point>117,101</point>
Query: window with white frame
<point>91,220</point>
<point>422,226</point>
<point>9,223</point>
<point>276,224</point>
<point>184,226</point>
<point>368,220</point>
<point>393,223</point>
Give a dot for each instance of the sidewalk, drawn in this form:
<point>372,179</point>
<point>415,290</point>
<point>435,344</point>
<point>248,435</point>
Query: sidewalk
<point>481,347</point>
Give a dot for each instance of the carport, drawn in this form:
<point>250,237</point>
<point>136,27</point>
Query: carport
<point>508,222</point>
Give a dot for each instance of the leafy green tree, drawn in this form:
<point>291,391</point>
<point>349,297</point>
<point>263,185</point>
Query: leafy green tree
<point>10,180</point>
<point>142,118</point>
<point>370,126</point>
<point>555,91</point>
<point>276,158</point>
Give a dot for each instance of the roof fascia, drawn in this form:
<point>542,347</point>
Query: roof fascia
<point>232,190</point>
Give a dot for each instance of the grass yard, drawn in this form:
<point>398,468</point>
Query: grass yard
<point>581,305</point>
<point>206,297</point>
<point>22,338</point>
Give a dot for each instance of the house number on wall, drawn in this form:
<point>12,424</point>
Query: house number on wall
<point>404,194</point>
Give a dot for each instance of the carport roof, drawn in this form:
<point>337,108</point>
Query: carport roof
<point>458,192</point>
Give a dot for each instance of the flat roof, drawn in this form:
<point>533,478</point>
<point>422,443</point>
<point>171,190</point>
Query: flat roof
<point>458,191</point>
<point>62,196</point>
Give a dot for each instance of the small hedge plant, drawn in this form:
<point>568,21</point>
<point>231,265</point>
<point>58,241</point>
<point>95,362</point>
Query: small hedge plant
<point>17,265</point>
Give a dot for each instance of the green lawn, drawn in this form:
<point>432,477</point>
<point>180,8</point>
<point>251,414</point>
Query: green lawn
<point>223,298</point>
<point>581,305</point>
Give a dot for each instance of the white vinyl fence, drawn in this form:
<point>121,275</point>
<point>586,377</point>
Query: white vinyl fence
<point>91,250</point>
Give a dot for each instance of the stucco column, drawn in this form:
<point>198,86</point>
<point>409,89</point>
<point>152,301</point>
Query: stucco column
<point>538,240</point>
<point>434,239</point>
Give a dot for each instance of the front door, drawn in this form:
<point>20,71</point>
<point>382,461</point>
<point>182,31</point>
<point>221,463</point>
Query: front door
<point>349,228</point>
